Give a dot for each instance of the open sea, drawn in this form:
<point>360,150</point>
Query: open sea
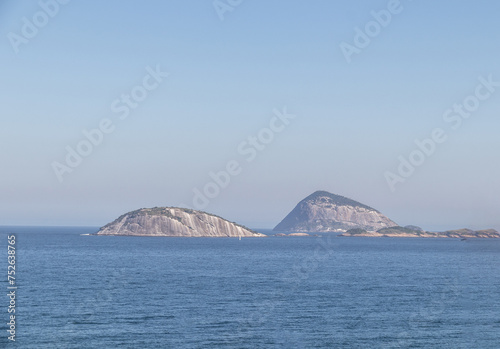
<point>77,291</point>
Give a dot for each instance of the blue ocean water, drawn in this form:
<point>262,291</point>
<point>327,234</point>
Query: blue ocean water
<point>79,291</point>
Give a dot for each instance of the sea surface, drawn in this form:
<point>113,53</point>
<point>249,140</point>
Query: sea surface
<point>77,291</point>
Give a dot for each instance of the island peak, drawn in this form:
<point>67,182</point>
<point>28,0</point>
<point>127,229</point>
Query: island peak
<point>175,222</point>
<point>326,212</point>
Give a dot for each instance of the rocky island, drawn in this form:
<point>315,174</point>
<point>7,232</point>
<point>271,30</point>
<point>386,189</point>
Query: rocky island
<point>174,222</point>
<point>320,212</point>
<point>411,232</point>
<point>326,212</point>
<point>323,212</point>
<point>296,235</point>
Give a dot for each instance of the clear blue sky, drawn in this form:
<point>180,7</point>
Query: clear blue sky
<point>353,120</point>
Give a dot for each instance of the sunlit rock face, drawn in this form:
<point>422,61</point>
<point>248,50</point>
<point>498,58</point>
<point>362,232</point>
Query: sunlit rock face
<point>326,212</point>
<point>174,222</point>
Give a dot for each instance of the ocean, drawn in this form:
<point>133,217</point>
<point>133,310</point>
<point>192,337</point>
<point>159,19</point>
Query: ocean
<point>76,291</point>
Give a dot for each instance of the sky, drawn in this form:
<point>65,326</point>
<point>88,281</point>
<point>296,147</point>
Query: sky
<point>243,108</point>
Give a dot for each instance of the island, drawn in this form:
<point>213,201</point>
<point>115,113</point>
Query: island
<point>320,212</point>
<point>175,222</point>
<point>412,232</point>
<point>326,212</point>
<point>296,235</point>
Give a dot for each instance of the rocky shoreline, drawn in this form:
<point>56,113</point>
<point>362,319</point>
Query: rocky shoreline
<point>403,232</point>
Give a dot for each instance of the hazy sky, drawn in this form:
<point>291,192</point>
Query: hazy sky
<point>70,68</point>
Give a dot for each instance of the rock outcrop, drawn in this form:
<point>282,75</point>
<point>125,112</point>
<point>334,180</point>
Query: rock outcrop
<point>406,232</point>
<point>174,222</point>
<point>326,212</point>
<point>297,235</point>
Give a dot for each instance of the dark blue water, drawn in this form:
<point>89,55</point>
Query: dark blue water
<point>128,292</point>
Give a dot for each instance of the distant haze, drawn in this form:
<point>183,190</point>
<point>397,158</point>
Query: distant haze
<point>207,95</point>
